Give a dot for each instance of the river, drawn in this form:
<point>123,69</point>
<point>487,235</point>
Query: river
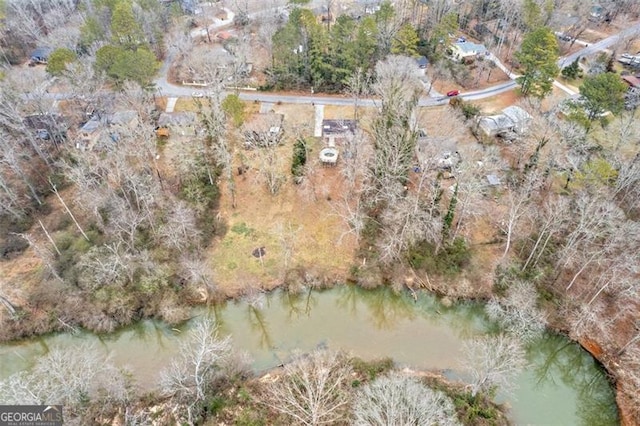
<point>562,385</point>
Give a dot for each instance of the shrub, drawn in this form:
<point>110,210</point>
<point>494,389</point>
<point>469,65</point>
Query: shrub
<point>370,369</point>
<point>450,260</point>
<point>572,71</point>
<point>468,109</point>
<point>234,108</point>
<point>299,158</point>
<point>472,409</point>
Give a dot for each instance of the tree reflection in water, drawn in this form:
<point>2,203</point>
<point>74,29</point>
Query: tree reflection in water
<point>385,306</point>
<point>554,359</point>
<point>299,304</point>
<point>256,302</point>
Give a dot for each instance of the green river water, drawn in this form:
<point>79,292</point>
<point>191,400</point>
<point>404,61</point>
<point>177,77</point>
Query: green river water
<point>562,385</point>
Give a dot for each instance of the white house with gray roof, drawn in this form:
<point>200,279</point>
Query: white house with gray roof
<point>466,50</point>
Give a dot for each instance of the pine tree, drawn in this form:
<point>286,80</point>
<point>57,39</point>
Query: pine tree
<point>537,56</point>
<point>572,71</point>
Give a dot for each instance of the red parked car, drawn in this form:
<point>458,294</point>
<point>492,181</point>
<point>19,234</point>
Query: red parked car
<point>455,92</point>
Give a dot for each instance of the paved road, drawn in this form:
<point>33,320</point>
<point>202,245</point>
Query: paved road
<point>601,45</point>
<point>167,89</point>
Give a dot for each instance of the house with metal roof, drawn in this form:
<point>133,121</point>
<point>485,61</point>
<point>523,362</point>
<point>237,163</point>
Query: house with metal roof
<point>181,123</point>
<point>466,50</point>
<point>512,119</point>
<point>107,127</point>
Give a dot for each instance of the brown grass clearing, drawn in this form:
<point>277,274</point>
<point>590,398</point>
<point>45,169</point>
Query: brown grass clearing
<point>497,103</point>
<point>161,103</point>
<point>573,84</point>
<point>188,104</point>
<point>296,115</point>
<point>592,35</point>
<point>567,49</point>
<point>334,112</point>
<point>299,219</point>
<point>251,107</point>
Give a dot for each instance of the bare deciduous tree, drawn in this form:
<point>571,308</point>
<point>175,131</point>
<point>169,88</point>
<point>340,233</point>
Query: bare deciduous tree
<point>402,400</point>
<point>313,389</point>
<point>78,377</point>
<point>518,313</point>
<point>358,86</point>
<point>104,265</point>
<point>194,372</point>
<point>271,170</point>
<point>198,273</point>
<point>411,219</point>
<point>394,130</point>
<point>494,362</point>
<point>180,231</point>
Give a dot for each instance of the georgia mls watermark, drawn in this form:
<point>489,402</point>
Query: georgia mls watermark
<point>30,415</point>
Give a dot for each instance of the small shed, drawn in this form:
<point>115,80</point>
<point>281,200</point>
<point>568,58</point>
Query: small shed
<point>422,62</point>
<point>40,55</point>
<point>631,80</point>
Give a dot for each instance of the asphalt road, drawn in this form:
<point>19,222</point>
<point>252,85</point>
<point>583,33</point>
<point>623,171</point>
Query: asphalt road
<point>167,89</point>
<point>601,45</point>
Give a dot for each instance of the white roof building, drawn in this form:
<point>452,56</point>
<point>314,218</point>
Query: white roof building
<point>466,49</point>
<point>512,119</point>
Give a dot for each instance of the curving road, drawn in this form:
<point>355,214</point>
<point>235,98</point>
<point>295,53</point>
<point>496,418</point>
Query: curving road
<point>601,45</point>
<point>167,89</point>
<point>171,90</point>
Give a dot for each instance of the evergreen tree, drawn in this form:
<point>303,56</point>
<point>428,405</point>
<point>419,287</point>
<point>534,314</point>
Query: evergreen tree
<point>572,71</point>
<point>122,64</point>
<point>601,93</point>
<point>537,56</point>
<point>59,59</point>
<point>405,42</point>
<point>125,30</point>
<point>532,14</point>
